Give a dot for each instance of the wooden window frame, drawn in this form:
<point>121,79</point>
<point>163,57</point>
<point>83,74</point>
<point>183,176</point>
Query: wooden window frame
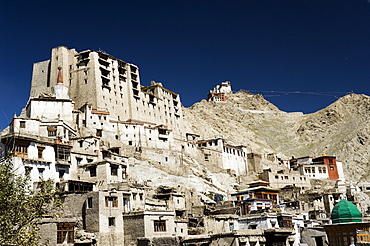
<point>65,232</point>
<point>159,225</point>
<point>111,202</point>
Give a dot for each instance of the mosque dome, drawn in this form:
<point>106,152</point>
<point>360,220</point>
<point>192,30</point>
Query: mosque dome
<point>345,211</point>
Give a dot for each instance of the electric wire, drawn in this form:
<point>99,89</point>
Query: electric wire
<point>336,94</point>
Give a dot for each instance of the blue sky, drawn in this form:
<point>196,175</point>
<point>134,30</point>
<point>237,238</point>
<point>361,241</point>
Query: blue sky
<point>190,46</point>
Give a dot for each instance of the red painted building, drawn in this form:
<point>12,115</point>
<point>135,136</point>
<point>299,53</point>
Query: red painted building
<point>331,163</point>
<point>218,97</point>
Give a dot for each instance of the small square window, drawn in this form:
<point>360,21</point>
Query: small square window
<point>52,132</point>
<point>111,221</point>
<point>22,124</point>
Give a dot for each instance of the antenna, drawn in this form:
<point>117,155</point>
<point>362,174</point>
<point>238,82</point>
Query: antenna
<point>101,50</point>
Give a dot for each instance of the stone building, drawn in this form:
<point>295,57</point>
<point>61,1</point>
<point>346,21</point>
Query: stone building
<point>322,167</point>
<point>224,155</point>
<point>218,94</point>
<point>258,197</point>
<point>109,85</point>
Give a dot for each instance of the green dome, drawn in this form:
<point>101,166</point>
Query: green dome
<point>345,211</point>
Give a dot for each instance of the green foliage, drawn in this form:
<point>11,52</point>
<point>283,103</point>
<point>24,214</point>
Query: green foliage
<point>21,208</point>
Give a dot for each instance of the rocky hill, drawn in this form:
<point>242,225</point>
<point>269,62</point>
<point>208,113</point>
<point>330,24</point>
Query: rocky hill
<point>341,129</point>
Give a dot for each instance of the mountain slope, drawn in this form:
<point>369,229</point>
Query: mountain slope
<point>341,129</point>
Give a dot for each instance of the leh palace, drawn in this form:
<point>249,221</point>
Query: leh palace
<point>131,170</point>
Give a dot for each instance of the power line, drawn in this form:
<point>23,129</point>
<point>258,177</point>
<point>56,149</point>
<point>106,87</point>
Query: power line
<point>335,94</point>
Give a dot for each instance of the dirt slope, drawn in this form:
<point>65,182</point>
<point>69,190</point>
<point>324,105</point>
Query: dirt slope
<point>341,129</point>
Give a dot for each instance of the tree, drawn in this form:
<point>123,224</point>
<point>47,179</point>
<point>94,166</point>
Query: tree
<point>21,208</point>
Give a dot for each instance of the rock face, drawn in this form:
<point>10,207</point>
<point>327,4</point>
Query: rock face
<point>341,129</point>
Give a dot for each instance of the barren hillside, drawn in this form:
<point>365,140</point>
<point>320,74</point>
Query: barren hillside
<point>341,129</point>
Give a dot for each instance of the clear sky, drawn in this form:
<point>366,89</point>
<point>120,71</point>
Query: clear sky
<point>191,46</point>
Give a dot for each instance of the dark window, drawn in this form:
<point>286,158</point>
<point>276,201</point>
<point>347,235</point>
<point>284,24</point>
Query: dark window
<point>78,160</point>
<point>162,131</point>
<point>39,151</point>
<point>63,154</point>
<point>61,174</point>
<point>111,221</point>
<point>41,172</point>
<point>92,171</point>
<point>114,150</point>
<point>22,124</point>
<point>28,170</point>
<point>52,132</point>
<point>159,225</point>
<point>99,132</point>
<point>89,202</point>
<point>76,186</point>
<point>106,154</point>
<point>65,232</point>
<point>114,170</point>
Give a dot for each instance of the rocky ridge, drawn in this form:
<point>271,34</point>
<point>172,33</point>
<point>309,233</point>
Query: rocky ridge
<point>341,129</point>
